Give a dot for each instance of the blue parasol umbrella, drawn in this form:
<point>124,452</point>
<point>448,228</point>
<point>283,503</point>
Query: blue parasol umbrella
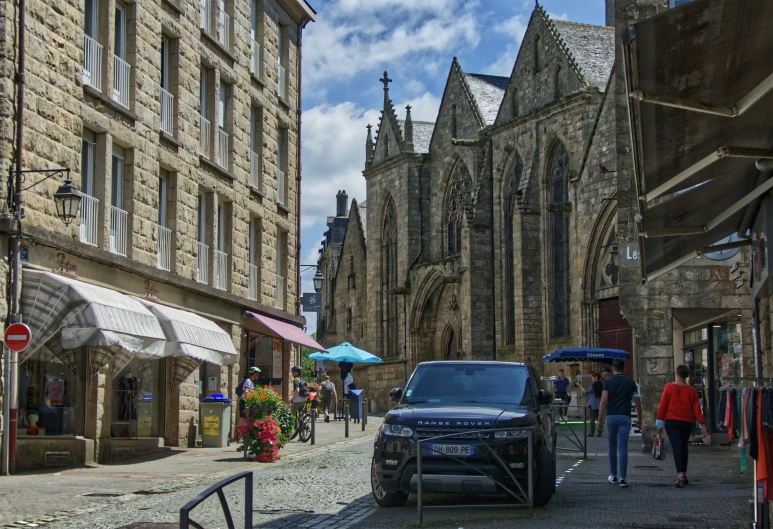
<point>348,352</point>
<point>586,354</point>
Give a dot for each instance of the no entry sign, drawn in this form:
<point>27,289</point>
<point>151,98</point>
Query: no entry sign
<point>17,337</point>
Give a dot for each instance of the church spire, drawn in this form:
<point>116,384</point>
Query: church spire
<point>408,141</point>
<point>368,148</point>
<point>386,80</point>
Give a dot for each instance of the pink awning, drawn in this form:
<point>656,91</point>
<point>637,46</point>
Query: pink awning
<point>286,331</point>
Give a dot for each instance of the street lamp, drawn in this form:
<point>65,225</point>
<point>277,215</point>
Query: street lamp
<point>318,281</point>
<point>68,200</point>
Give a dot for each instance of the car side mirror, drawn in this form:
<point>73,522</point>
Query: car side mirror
<point>544,397</point>
<point>396,394</point>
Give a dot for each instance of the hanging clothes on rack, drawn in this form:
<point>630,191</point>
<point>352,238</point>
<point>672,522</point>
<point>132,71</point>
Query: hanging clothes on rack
<point>765,438</point>
<point>722,409</point>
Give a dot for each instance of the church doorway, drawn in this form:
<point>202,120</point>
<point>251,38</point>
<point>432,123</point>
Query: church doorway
<point>453,347</point>
<point>614,330</point>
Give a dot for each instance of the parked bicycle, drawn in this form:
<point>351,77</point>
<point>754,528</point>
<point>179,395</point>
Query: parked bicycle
<point>302,425</point>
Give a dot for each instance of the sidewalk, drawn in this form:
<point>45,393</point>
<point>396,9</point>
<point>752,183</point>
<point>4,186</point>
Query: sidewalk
<point>34,495</point>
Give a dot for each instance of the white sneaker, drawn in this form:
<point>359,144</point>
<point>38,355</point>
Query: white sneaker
<point>612,479</point>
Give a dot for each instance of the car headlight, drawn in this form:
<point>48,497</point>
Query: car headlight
<point>397,430</point>
<point>511,434</point>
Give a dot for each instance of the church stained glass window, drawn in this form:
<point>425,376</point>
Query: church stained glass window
<point>559,231</point>
<point>511,187</point>
<point>459,194</point>
<point>389,279</point>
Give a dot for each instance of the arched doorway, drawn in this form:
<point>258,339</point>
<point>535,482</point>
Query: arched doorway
<point>453,347</point>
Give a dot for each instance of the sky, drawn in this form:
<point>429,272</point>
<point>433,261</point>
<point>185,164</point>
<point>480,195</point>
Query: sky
<point>345,53</point>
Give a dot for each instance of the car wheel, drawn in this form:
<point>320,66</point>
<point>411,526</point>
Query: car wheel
<point>545,484</point>
<point>382,497</point>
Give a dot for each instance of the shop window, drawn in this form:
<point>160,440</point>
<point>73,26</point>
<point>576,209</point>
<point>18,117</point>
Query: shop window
<point>51,394</point>
<point>265,352</point>
<point>138,399</point>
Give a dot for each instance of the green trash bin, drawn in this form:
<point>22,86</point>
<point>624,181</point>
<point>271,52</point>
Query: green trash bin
<point>215,421</point>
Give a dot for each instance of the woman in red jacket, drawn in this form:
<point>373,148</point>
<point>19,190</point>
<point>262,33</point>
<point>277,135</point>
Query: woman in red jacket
<point>679,409</point>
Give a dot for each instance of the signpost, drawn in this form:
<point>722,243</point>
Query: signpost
<point>17,337</point>
<point>312,302</point>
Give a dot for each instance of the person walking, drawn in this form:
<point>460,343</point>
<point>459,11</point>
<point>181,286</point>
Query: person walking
<point>594,392</point>
<point>329,396</point>
<point>561,387</point>
<point>615,407</point>
<point>679,409</point>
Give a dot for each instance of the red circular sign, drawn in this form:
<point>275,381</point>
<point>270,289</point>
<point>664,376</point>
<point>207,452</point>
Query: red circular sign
<point>17,337</point>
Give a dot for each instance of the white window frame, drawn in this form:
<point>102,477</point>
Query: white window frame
<point>94,22</point>
<point>254,223</point>
<point>221,101</point>
<point>120,36</point>
<point>280,243</point>
<point>88,157</point>
<point>118,177</point>
<point>163,198</point>
<point>221,226</point>
<point>165,55</point>
<point>203,82</point>
<point>201,236</point>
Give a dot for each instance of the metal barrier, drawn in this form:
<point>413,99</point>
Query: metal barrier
<point>346,418</point>
<point>522,498</point>
<point>185,513</point>
<point>578,444</point>
<point>364,413</point>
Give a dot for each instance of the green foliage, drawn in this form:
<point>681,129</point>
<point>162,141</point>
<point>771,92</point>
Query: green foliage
<point>266,402</point>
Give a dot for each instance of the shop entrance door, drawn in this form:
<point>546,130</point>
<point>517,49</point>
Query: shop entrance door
<point>697,360</point>
<point>614,331</point>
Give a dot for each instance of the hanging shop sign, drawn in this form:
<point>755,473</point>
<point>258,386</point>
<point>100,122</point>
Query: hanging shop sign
<point>312,302</point>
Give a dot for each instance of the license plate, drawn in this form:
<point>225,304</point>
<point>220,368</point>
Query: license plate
<point>451,450</point>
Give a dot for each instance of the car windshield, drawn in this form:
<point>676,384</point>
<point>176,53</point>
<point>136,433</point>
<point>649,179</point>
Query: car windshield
<point>470,383</point>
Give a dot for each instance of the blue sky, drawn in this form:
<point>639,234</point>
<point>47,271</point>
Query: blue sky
<point>345,53</point>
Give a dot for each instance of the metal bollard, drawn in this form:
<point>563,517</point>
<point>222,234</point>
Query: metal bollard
<point>346,418</point>
<point>364,413</point>
<point>313,426</point>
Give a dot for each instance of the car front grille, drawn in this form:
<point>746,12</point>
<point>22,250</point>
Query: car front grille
<point>459,433</point>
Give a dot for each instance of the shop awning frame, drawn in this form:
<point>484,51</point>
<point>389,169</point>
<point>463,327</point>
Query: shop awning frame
<point>283,330</point>
<point>699,93</point>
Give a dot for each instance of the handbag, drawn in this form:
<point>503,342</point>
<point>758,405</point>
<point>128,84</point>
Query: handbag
<point>658,447</point>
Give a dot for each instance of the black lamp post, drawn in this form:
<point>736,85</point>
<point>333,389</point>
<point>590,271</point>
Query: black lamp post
<point>68,200</point>
<point>318,280</point>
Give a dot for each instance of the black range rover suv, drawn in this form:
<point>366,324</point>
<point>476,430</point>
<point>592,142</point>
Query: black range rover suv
<point>458,397</point>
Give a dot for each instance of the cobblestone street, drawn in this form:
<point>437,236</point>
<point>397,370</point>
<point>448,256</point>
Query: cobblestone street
<point>328,486</point>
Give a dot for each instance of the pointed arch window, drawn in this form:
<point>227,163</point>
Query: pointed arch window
<point>509,197</point>
<point>459,194</point>
<point>389,279</point>
<point>559,231</point>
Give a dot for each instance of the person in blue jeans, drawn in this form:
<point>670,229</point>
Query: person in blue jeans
<point>615,407</point>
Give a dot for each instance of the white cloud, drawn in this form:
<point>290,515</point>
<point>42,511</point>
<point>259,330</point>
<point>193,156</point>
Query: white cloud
<point>562,16</point>
<point>355,36</point>
<point>515,27</point>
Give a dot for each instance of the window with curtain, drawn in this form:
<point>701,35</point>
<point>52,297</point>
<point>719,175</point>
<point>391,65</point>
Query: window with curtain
<point>511,187</point>
<point>389,279</point>
<point>559,231</point>
<point>459,193</point>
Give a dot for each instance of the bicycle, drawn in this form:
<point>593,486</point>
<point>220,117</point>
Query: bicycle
<point>302,425</point>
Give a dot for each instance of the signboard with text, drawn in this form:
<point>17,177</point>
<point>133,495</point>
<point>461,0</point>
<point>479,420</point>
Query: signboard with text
<point>312,302</point>
<point>629,255</point>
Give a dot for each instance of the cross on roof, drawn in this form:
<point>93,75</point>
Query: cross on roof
<point>386,80</point>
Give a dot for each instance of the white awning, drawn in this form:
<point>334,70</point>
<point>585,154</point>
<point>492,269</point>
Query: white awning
<point>84,314</point>
<point>189,334</point>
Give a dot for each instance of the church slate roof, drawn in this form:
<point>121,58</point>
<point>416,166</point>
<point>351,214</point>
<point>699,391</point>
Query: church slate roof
<point>422,134</point>
<point>488,91</point>
<point>591,48</point>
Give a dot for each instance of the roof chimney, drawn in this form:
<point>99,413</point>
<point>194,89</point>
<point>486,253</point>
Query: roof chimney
<point>342,200</point>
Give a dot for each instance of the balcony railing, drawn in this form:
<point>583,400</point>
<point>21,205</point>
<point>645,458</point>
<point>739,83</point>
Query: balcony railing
<point>121,81</point>
<point>252,281</point>
<point>224,29</point>
<point>89,219</point>
<point>221,270</point>
<point>119,220</point>
<point>202,272</point>
<point>204,143</point>
<point>255,169</point>
<point>281,187</point>
<point>222,151</point>
<point>167,112</point>
<point>255,59</point>
<point>92,63</point>
<point>205,11</point>
<point>280,292</point>
<point>282,80</point>
<point>164,250</point>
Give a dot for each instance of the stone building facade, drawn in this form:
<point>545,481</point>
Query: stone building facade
<point>499,231</point>
<point>180,123</point>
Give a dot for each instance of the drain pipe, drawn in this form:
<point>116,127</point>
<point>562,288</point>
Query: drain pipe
<point>405,283</point>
